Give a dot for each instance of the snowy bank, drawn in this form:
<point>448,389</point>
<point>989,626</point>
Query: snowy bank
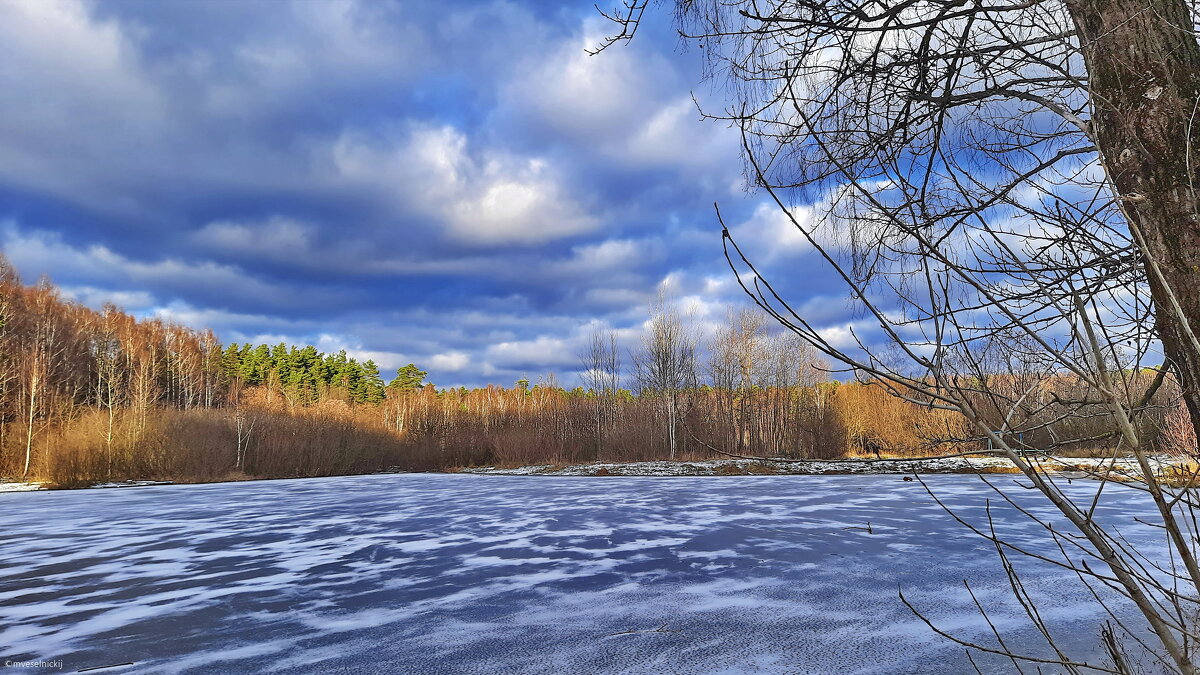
<point>742,467</point>
<point>132,483</point>
<point>17,486</point>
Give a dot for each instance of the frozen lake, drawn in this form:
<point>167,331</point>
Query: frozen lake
<point>489,574</point>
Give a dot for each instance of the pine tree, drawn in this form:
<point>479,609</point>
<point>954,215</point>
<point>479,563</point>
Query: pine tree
<point>255,363</point>
<point>231,363</point>
<point>408,378</point>
<point>371,388</point>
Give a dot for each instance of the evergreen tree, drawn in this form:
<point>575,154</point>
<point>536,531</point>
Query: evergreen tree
<point>231,363</point>
<point>302,383</point>
<point>279,361</point>
<point>408,378</point>
<point>351,377</point>
<point>370,384</point>
<point>255,363</point>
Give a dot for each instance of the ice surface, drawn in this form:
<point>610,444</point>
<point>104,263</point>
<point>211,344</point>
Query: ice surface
<point>429,573</point>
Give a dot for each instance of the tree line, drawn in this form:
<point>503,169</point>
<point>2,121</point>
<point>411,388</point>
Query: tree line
<point>89,395</point>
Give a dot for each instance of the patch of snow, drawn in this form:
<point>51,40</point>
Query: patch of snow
<point>132,483</point>
<point>15,486</point>
<point>742,467</point>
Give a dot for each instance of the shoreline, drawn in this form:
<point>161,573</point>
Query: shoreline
<point>1083,466</point>
<point>1073,467</point>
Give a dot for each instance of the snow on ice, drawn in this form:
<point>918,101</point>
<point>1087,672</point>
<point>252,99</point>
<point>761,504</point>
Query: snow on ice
<point>484,574</point>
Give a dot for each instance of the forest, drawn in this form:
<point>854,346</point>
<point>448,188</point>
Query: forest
<point>90,396</point>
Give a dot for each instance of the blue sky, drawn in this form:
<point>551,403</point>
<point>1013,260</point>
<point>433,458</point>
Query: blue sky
<point>454,184</point>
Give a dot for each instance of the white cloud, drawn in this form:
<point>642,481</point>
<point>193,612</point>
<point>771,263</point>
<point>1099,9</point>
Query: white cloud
<point>544,349</point>
<point>625,104</point>
<point>485,198</point>
<point>55,50</point>
<point>452,361</point>
<point>74,91</point>
<point>613,262</point>
<point>102,113</point>
<point>615,298</point>
<point>49,254</point>
<point>132,301</point>
<point>276,238</point>
<point>229,326</point>
<point>769,233</point>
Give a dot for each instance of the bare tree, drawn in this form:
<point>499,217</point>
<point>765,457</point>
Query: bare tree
<point>1011,202</point>
<point>1074,118</point>
<point>43,361</point>
<point>1019,354</point>
<point>601,362</point>
<point>244,421</point>
<point>1178,436</point>
<point>109,387</point>
<point>738,368</point>
<point>8,361</point>
<point>665,365</point>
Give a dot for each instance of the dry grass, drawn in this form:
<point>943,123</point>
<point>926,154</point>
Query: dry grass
<point>762,469</point>
<point>333,438</point>
<point>1184,473</point>
<point>200,445</point>
<point>996,469</point>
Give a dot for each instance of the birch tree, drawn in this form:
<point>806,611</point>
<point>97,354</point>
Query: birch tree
<point>601,363</point>
<point>665,365</point>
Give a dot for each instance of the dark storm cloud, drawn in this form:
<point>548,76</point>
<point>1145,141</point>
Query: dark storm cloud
<point>459,187</point>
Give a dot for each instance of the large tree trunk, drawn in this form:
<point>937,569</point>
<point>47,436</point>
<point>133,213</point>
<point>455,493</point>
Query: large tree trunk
<point>1143,64</point>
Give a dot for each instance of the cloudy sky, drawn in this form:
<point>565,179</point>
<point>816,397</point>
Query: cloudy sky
<point>455,184</point>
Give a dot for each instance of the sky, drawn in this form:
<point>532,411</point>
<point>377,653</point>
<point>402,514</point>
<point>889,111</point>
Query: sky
<point>458,185</point>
